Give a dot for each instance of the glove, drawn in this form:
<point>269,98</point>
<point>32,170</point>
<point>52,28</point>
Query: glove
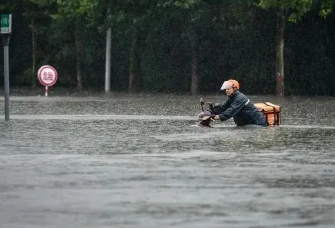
<point>216,117</point>
<point>208,117</point>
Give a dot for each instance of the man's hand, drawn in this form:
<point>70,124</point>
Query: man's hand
<point>216,117</point>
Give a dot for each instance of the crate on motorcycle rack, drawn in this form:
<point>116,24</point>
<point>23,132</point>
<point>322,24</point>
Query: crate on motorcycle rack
<point>271,112</point>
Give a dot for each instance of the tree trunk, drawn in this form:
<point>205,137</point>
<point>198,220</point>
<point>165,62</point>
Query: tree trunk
<point>33,41</point>
<point>280,53</point>
<point>134,65</point>
<point>79,51</point>
<point>195,61</point>
<point>195,76</point>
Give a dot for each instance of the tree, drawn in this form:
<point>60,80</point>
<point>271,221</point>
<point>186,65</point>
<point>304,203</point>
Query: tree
<point>293,10</point>
<point>93,9</point>
<point>37,12</point>
<point>195,9</point>
<point>222,18</point>
<point>68,12</point>
<point>133,13</point>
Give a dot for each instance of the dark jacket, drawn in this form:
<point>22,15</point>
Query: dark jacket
<point>241,109</point>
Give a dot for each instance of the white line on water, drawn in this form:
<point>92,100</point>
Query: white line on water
<point>141,117</point>
<point>308,126</point>
<point>100,117</point>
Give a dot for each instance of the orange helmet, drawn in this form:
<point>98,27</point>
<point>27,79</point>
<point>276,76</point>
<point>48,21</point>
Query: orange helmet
<point>235,83</point>
<point>231,83</point>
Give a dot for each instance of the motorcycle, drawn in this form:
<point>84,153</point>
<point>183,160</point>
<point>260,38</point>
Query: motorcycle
<point>206,116</point>
<point>271,112</point>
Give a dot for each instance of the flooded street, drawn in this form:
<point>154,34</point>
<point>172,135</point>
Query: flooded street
<point>119,160</point>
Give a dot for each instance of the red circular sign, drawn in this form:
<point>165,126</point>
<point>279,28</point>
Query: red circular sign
<point>47,75</point>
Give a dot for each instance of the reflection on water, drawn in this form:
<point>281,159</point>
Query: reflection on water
<point>141,161</point>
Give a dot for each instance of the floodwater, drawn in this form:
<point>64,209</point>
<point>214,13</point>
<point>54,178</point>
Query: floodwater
<point>119,160</point>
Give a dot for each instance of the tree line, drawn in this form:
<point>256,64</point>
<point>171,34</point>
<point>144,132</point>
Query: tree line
<point>283,47</point>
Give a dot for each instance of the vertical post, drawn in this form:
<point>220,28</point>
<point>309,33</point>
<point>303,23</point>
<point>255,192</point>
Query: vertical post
<point>108,60</point>
<point>46,91</point>
<point>6,30</point>
<point>6,39</point>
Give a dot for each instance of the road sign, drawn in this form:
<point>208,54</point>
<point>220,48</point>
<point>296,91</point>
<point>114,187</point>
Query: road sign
<point>47,75</point>
<point>6,30</point>
<point>6,23</point>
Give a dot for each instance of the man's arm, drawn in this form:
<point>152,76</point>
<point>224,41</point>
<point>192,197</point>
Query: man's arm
<point>218,109</point>
<point>232,110</point>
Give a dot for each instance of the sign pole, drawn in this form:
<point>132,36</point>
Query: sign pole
<point>6,40</point>
<point>6,30</point>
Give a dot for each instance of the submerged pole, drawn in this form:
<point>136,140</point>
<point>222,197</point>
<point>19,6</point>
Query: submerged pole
<point>6,39</point>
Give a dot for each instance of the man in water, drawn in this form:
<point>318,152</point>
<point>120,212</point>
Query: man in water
<point>238,107</point>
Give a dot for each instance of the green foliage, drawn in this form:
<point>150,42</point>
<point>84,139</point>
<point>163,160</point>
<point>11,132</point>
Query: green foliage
<point>310,56</point>
<point>297,8</point>
<point>232,39</point>
<point>186,4</point>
